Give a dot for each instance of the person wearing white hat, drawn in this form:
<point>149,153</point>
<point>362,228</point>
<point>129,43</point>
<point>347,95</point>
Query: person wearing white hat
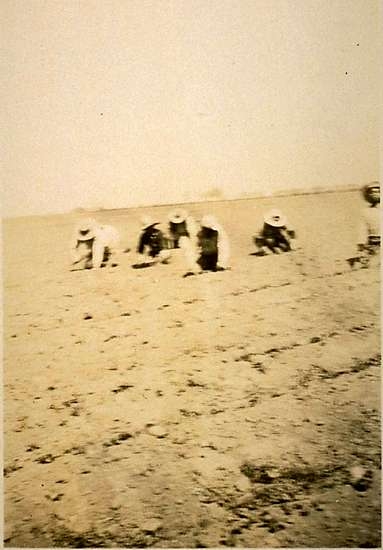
<point>183,234</point>
<point>369,228</point>
<point>368,242</point>
<point>213,245</point>
<point>275,236</point>
<point>181,225</point>
<point>93,244</point>
<point>152,243</point>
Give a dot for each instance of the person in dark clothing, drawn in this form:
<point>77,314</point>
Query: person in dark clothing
<point>275,235</point>
<point>208,244</point>
<point>181,227</point>
<point>178,230</point>
<point>152,243</point>
<point>213,245</point>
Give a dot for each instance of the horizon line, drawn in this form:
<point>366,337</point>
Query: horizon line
<point>282,193</point>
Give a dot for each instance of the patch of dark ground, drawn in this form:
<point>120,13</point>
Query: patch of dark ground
<point>278,495</point>
<point>62,537</point>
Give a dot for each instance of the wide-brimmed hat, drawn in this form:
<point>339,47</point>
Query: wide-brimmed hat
<point>275,218</point>
<point>146,222</point>
<point>209,222</point>
<point>366,189</point>
<point>86,229</point>
<point>373,185</point>
<point>177,216</point>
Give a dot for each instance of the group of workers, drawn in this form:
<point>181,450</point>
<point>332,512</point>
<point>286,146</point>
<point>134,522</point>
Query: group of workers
<point>205,246</point>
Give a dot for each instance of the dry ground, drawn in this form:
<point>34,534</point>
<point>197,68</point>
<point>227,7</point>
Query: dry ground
<point>239,408</point>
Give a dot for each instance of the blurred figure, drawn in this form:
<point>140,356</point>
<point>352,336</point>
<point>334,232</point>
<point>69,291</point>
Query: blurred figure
<point>152,243</point>
<point>213,245</point>
<point>183,235</point>
<point>275,235</point>
<point>181,227</point>
<point>93,244</point>
<point>369,227</point>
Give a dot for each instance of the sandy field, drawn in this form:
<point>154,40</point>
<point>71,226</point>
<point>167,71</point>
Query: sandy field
<point>238,408</point>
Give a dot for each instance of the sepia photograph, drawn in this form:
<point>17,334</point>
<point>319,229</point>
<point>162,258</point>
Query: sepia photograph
<point>191,273</point>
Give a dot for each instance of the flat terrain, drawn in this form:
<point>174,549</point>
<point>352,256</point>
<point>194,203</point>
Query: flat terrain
<point>239,408</point>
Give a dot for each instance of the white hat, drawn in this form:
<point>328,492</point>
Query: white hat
<point>86,229</point>
<point>146,221</point>
<point>177,216</point>
<point>366,191</point>
<point>209,222</point>
<point>275,218</point>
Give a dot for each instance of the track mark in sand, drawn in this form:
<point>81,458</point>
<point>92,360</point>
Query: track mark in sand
<point>358,328</point>
<point>255,364</point>
<point>124,436</point>
<point>272,352</point>
<point>61,536</point>
<point>216,411</point>
<point>111,337</point>
<point>193,384</point>
<point>122,387</point>
<point>186,412</point>
<point>277,494</point>
<point>357,366</point>
<point>268,286</point>
<point>7,470</point>
<point>75,450</point>
<point>253,399</point>
<point>46,459</point>
<point>32,447</point>
<point>56,497</point>
<point>73,405</point>
<point>288,283</point>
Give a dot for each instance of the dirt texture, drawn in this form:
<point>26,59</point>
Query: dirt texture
<point>238,408</point>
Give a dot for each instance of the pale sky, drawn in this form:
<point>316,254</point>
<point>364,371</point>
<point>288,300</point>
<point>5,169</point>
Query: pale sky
<point>118,103</point>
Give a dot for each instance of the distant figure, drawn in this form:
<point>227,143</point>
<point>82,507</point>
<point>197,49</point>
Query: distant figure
<point>181,227</point>
<point>93,244</point>
<point>275,235</point>
<point>152,243</point>
<point>183,235</point>
<point>368,244</point>
<point>213,245</point>
<point>369,228</point>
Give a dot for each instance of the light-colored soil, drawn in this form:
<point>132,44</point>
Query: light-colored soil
<point>239,408</point>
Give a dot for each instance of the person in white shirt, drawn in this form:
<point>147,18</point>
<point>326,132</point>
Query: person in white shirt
<point>369,227</point>
<point>368,240</point>
<point>182,233</point>
<point>93,244</point>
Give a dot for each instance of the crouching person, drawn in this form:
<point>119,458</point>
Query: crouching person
<point>275,236</point>
<point>182,228</point>
<point>152,244</point>
<point>213,245</point>
<point>369,229</point>
<point>368,244</point>
<point>182,231</point>
<point>93,245</point>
